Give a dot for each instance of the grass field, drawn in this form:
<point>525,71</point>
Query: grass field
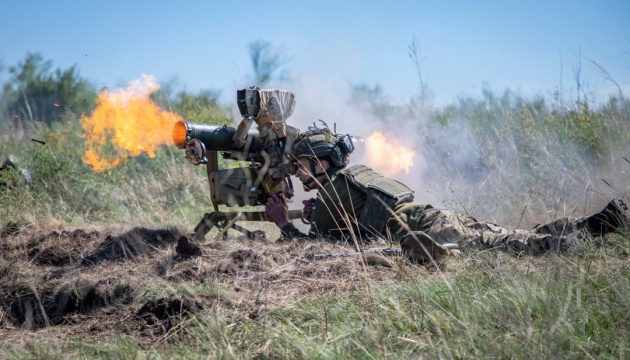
<point>89,266</point>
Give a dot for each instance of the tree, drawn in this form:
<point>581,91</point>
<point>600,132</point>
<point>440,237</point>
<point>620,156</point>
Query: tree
<point>267,61</point>
<point>417,59</point>
<point>34,92</point>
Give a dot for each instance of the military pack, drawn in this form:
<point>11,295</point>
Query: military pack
<point>383,195</point>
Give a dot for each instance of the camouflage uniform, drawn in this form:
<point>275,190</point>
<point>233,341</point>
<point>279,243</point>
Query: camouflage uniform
<point>340,202</point>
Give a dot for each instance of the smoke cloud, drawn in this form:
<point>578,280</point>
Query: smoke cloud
<point>452,167</point>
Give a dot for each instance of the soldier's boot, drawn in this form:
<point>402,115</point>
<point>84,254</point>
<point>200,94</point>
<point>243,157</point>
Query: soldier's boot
<point>420,247</point>
<point>565,243</point>
<point>614,217</point>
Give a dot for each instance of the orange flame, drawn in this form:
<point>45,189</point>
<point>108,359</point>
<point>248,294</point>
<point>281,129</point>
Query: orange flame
<point>386,156</point>
<point>126,123</point>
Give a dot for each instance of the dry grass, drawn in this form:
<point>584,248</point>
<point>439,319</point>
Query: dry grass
<point>98,271</point>
<point>124,292</point>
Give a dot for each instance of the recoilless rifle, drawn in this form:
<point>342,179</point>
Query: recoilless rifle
<point>263,164</point>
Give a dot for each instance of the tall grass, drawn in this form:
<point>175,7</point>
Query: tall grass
<point>521,161</point>
<point>552,161</point>
<point>64,189</point>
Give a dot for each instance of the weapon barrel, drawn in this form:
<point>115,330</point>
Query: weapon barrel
<point>214,137</point>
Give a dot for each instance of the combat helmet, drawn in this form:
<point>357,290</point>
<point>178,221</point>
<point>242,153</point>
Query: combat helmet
<point>323,143</point>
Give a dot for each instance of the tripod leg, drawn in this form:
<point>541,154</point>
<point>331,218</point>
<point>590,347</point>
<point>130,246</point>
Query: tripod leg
<point>224,228</point>
<point>257,235</point>
<point>205,225</point>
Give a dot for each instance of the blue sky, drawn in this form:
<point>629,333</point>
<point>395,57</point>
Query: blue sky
<point>528,46</point>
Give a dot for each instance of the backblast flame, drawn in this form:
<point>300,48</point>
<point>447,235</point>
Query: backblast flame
<point>387,156</point>
<point>126,123</point>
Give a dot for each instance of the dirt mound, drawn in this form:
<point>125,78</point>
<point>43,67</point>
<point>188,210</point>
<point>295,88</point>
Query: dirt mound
<point>54,248</point>
<point>162,309</point>
<point>12,228</point>
<point>160,316</point>
<point>41,281</point>
<point>186,270</point>
<point>240,260</point>
<point>31,307</point>
<point>187,246</point>
<point>133,243</point>
<point>91,282</point>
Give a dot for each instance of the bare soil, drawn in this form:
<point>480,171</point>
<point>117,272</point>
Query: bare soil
<point>140,282</point>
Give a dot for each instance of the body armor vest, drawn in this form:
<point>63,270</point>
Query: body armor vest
<point>383,195</point>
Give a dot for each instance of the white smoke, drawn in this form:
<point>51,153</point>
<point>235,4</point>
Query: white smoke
<point>452,169</point>
<point>331,101</point>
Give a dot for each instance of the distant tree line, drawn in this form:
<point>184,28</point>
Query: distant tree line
<point>34,94</point>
